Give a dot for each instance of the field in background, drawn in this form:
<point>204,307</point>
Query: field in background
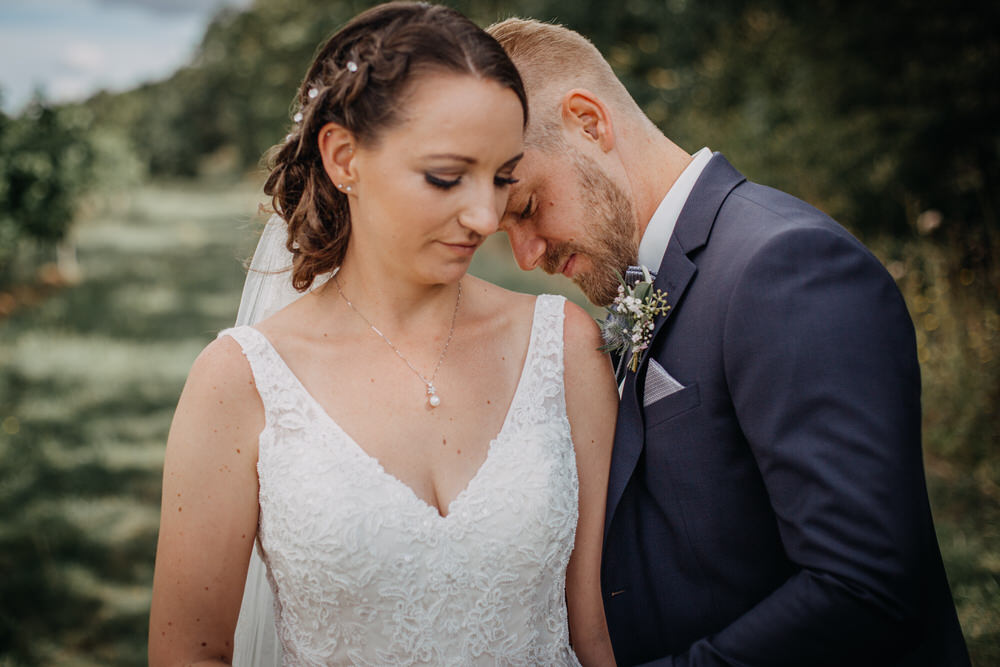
<point>88,381</point>
<point>90,375</point>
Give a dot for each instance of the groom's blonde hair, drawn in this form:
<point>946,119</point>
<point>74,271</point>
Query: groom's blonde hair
<point>552,60</point>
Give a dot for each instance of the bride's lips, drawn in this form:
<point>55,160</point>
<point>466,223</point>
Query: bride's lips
<point>461,248</point>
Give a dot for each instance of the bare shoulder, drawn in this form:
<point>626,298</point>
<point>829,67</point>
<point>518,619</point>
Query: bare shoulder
<point>221,387</point>
<point>493,292</point>
<point>491,299</point>
<point>580,332</point>
<point>222,365</point>
<point>585,364</point>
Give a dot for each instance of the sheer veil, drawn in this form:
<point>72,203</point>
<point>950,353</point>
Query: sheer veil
<point>267,289</point>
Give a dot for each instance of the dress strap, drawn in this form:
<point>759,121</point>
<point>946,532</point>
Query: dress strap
<point>269,371</point>
<point>547,327</point>
<point>543,367</point>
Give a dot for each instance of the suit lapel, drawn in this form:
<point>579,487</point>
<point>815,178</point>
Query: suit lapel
<point>694,225</point>
<point>627,447</point>
<point>676,271</point>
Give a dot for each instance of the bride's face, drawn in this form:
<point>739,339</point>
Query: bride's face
<point>433,186</point>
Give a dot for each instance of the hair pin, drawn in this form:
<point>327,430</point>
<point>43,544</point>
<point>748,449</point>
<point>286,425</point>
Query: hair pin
<point>352,66</point>
<point>297,117</point>
<point>313,93</point>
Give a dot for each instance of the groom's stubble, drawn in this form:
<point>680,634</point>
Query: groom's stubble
<point>608,236</point>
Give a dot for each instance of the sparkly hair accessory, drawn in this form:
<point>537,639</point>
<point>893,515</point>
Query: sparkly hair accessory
<point>313,93</point>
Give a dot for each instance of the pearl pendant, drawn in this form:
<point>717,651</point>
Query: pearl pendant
<point>432,398</point>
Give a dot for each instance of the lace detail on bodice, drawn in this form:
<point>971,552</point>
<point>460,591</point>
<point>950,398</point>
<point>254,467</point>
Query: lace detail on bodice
<point>365,572</point>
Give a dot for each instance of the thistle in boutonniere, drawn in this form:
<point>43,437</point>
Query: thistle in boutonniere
<point>631,316</point>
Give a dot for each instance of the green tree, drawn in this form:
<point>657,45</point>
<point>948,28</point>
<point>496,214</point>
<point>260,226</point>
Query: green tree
<point>45,165</point>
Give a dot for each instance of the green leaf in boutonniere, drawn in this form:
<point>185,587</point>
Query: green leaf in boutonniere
<point>628,327</point>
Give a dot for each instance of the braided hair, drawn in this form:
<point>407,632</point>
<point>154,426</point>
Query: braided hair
<point>358,80</point>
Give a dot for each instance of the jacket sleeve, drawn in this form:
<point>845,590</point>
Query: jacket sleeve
<point>820,358</point>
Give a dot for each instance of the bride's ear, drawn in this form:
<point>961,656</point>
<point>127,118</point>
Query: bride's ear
<point>336,148</point>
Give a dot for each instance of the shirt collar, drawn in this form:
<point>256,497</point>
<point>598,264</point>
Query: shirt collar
<point>661,225</point>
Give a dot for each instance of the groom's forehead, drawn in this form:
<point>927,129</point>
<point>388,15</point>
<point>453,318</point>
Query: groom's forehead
<point>538,168</point>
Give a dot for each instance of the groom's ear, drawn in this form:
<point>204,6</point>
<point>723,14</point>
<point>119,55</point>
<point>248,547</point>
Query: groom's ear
<point>336,148</point>
<point>585,115</point>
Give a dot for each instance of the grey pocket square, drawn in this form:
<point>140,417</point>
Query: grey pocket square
<point>659,384</point>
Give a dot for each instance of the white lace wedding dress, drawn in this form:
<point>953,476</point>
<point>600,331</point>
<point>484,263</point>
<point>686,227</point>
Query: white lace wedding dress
<point>364,572</point>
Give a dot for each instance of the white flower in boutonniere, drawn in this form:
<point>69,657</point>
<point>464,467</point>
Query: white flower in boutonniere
<point>631,316</point>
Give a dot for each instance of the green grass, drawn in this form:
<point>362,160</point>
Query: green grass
<point>88,381</point>
<point>89,378</point>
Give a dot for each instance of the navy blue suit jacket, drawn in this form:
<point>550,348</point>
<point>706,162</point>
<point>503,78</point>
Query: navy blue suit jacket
<point>774,511</point>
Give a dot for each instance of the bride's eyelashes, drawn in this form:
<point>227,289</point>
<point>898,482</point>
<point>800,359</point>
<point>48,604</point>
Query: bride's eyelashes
<point>504,181</point>
<point>442,183</point>
<point>447,184</point>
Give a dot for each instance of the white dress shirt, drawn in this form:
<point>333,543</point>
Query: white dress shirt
<point>661,225</point>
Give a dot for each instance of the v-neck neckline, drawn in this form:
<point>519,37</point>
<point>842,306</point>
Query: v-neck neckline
<point>379,468</point>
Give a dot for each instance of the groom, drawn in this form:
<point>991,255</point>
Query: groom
<point>767,503</point>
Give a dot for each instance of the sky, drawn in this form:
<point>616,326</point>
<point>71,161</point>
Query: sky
<point>70,49</point>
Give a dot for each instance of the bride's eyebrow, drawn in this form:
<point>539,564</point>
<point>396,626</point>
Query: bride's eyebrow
<point>451,156</point>
<point>471,160</point>
<point>513,161</point>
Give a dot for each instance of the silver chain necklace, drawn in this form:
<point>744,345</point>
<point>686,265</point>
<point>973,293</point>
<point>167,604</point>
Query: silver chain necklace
<point>433,399</point>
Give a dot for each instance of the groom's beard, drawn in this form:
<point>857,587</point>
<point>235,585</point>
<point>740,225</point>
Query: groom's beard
<point>609,236</point>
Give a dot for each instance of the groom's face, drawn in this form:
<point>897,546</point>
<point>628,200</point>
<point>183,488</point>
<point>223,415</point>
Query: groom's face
<point>567,216</point>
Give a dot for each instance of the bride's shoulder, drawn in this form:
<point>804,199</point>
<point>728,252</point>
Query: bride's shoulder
<point>580,328</point>
<point>223,371</point>
<point>581,334</point>
<point>223,356</point>
<point>494,301</point>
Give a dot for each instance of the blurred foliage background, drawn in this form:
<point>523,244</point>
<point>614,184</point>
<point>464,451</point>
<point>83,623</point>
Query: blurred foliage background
<point>124,220</point>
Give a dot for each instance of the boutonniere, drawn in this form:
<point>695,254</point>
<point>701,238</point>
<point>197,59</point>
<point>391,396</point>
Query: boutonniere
<point>628,326</point>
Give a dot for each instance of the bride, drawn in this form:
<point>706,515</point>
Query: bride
<point>421,455</point>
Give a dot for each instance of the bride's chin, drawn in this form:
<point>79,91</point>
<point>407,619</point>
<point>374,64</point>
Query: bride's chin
<point>448,274</point>
<point>453,276</point>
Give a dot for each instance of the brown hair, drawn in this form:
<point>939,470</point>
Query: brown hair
<point>358,80</point>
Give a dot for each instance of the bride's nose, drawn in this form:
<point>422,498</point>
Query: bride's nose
<point>481,213</point>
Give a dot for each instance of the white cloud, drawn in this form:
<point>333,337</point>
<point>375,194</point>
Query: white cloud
<point>84,57</point>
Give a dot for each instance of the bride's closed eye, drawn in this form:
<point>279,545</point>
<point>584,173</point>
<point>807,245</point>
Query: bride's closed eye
<point>442,183</point>
<point>446,184</point>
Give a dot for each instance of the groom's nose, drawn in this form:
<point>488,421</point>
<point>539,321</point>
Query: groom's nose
<point>528,247</point>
